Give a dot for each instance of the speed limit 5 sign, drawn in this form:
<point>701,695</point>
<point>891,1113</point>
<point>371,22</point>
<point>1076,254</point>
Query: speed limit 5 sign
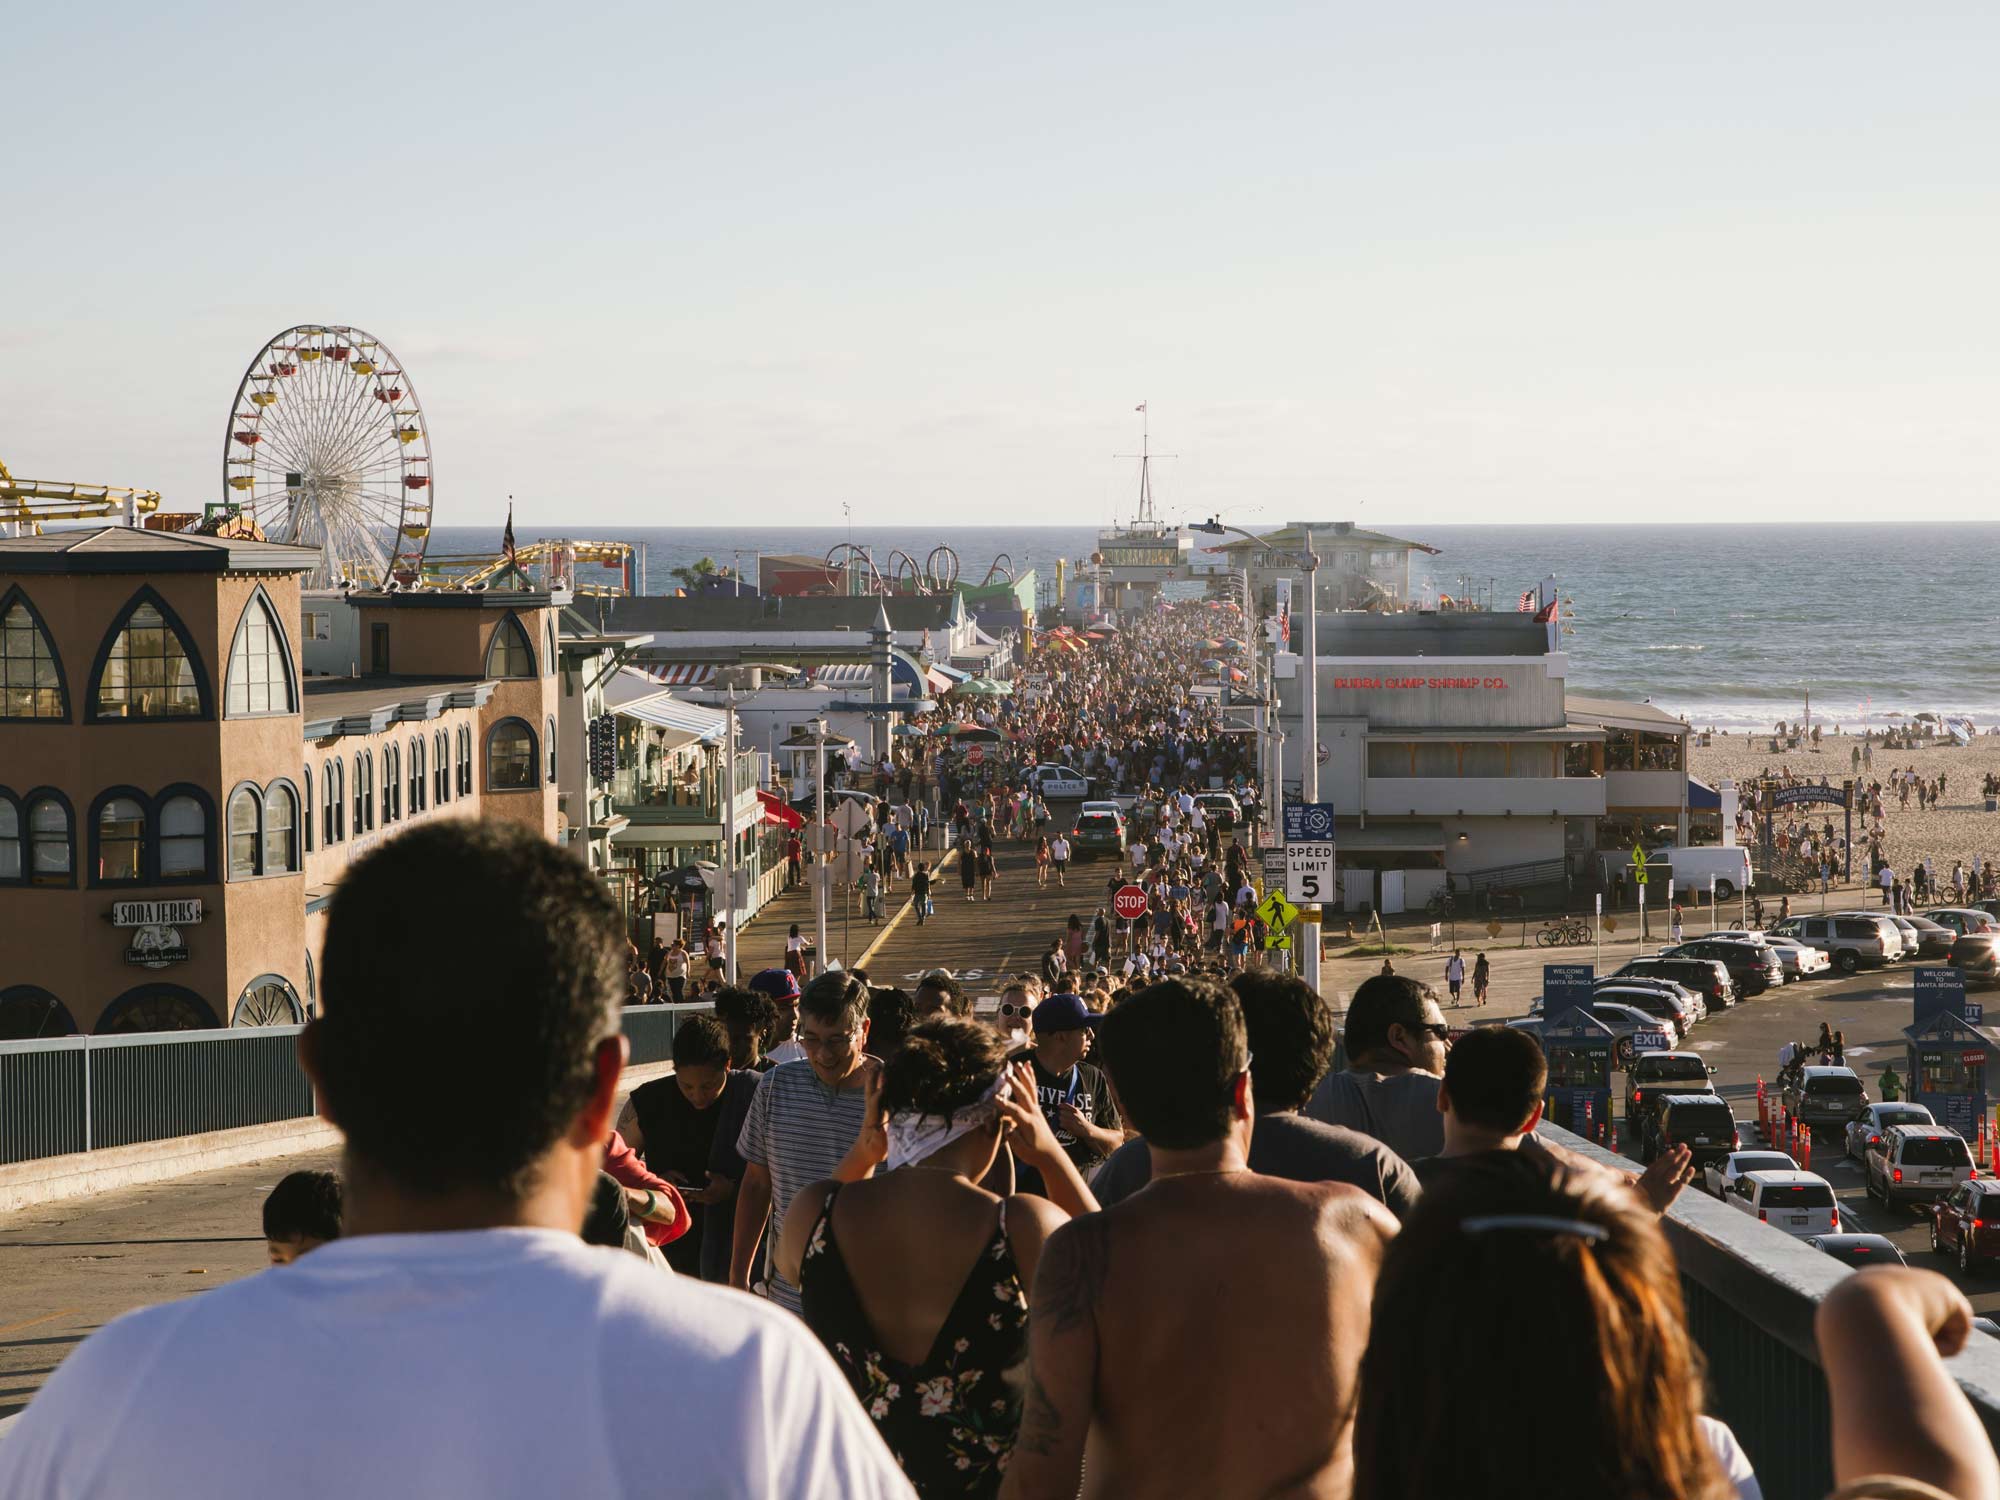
<point>1309,873</point>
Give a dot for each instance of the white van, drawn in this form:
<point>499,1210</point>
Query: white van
<point>1690,867</point>
<point>1800,1203</point>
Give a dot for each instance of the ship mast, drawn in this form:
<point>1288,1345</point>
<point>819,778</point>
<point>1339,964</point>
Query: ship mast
<point>1145,455</point>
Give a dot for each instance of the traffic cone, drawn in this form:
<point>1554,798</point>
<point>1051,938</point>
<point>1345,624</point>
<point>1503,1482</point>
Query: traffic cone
<point>1805,1147</point>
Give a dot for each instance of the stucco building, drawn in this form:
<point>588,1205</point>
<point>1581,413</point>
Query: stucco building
<point>178,798</point>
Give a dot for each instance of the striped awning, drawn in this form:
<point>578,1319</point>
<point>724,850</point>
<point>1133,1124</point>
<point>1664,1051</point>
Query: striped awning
<point>844,674</point>
<point>679,673</point>
<point>686,723</point>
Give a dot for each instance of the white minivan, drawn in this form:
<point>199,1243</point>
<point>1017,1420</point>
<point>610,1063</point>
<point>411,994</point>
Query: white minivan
<point>1800,1203</point>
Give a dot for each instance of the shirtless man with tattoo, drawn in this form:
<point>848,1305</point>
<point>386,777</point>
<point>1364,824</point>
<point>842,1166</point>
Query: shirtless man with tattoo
<point>1203,1337</point>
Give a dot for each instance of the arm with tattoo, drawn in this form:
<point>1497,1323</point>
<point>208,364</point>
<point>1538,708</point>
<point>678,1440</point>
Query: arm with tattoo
<point>1062,1363</point>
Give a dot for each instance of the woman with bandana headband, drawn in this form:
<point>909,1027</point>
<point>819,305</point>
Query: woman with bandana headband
<point>916,1279</point>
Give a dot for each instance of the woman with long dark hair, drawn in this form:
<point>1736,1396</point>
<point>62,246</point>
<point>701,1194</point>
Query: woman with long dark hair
<point>917,1279</point>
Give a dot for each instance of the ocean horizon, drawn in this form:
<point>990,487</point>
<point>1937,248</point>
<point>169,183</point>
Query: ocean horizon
<point>1730,626</point>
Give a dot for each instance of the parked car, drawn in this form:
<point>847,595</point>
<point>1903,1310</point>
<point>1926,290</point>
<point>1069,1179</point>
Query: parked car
<point>1220,808</point>
<point>1965,1224</point>
<point>1913,937</point>
<point>1822,1096</point>
<point>1720,1177</point>
<point>1917,1164</point>
<point>1696,1006</point>
<point>1753,967</point>
<point>1623,1021</point>
<point>1055,782</point>
<point>1665,1016</point>
<point>1098,833</point>
<point>1963,919</point>
<point>1977,955</point>
<point>1800,1203</point>
<point>1934,939</point>
<point>1654,1075</point>
<point>1866,1128</point>
<point>1705,977</point>
<point>1852,940</point>
<point>1858,1250</point>
<point>1800,960</point>
<point>1702,1122</point>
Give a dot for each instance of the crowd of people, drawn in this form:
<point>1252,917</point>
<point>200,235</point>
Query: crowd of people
<point>979,1249</point>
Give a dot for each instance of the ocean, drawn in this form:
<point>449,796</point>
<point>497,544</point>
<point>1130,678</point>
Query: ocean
<point>1731,626</point>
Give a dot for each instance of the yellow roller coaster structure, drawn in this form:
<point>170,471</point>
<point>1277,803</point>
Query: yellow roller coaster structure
<point>27,504</point>
<point>553,560</point>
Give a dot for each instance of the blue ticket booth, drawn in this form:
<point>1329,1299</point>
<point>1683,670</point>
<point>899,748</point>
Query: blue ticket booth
<point>1579,1048</point>
<point>1947,1052</point>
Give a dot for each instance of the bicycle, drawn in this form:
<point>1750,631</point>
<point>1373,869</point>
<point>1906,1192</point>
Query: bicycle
<point>1563,932</point>
<point>1440,905</point>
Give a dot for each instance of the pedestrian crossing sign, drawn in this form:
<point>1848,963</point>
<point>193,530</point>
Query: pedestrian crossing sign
<point>1277,912</point>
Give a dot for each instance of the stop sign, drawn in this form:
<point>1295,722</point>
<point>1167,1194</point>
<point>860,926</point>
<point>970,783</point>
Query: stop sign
<point>1129,903</point>
<point>975,755</point>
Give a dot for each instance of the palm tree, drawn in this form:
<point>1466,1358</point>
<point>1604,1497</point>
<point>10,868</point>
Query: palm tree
<point>691,578</point>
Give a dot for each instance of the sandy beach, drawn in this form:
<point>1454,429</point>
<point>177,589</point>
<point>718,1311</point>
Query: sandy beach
<point>1958,829</point>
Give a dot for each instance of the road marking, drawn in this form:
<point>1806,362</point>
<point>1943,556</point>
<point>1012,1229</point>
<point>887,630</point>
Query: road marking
<point>44,1318</point>
<point>897,920</point>
<point>1705,1046</point>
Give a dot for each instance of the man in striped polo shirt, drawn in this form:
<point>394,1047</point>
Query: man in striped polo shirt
<point>803,1121</point>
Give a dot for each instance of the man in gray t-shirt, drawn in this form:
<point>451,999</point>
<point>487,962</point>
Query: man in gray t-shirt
<point>1395,1039</point>
<point>1290,1034</point>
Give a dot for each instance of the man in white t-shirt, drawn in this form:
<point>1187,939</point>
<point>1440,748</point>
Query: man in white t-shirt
<point>459,1339</point>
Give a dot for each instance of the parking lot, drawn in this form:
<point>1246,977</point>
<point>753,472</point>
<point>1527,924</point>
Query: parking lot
<point>1871,1008</point>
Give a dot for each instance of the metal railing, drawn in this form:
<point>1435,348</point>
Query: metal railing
<point>1751,1292</point>
<point>63,1095</point>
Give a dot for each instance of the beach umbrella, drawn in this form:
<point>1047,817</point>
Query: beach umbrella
<point>968,733</point>
<point>1212,664</point>
<point>907,730</point>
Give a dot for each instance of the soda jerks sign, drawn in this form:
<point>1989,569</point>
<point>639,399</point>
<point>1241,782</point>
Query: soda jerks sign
<point>1420,682</point>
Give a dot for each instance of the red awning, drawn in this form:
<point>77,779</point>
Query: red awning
<point>775,811</point>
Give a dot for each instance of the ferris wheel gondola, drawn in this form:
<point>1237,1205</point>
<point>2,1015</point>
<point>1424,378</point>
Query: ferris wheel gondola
<point>327,447</point>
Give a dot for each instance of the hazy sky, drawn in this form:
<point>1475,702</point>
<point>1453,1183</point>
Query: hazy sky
<point>672,264</point>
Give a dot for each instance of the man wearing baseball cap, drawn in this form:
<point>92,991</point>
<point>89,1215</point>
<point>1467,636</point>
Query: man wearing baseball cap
<point>1073,1095</point>
<point>782,985</point>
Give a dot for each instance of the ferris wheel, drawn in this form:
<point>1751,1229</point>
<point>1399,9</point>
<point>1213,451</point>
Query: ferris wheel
<point>328,448</point>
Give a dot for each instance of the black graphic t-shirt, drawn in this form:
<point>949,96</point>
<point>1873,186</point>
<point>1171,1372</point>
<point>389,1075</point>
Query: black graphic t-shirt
<point>1082,1086</point>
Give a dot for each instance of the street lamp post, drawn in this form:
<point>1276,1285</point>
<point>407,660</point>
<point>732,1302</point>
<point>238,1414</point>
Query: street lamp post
<point>1307,562</point>
<point>729,838</point>
<point>819,838</point>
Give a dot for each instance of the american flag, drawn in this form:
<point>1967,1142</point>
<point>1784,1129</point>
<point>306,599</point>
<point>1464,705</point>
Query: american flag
<point>1527,604</point>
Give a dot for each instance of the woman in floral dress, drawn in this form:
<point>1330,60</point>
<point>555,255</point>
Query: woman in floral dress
<point>916,1279</point>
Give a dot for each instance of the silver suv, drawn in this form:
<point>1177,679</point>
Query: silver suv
<point>1852,939</point>
<point>1917,1164</point>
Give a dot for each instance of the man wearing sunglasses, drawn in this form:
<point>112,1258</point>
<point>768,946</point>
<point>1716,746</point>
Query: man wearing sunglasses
<point>1395,1039</point>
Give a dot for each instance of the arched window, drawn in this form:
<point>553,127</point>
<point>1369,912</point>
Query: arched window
<point>307,821</point>
<point>549,744</point>
<point>419,786</point>
<point>281,829</point>
<point>333,801</point>
<point>441,768</point>
<point>147,667</point>
<point>268,1000</point>
<point>50,850</point>
<point>260,664</point>
<point>155,1007</point>
<point>118,831</point>
<point>364,792</point>
<point>31,681</point>
<point>243,807</point>
<point>510,757</point>
<point>549,643</point>
<point>183,837</point>
<point>13,851</point>
<point>464,761</point>
<point>508,654</point>
<point>392,783</point>
<point>28,1013</point>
